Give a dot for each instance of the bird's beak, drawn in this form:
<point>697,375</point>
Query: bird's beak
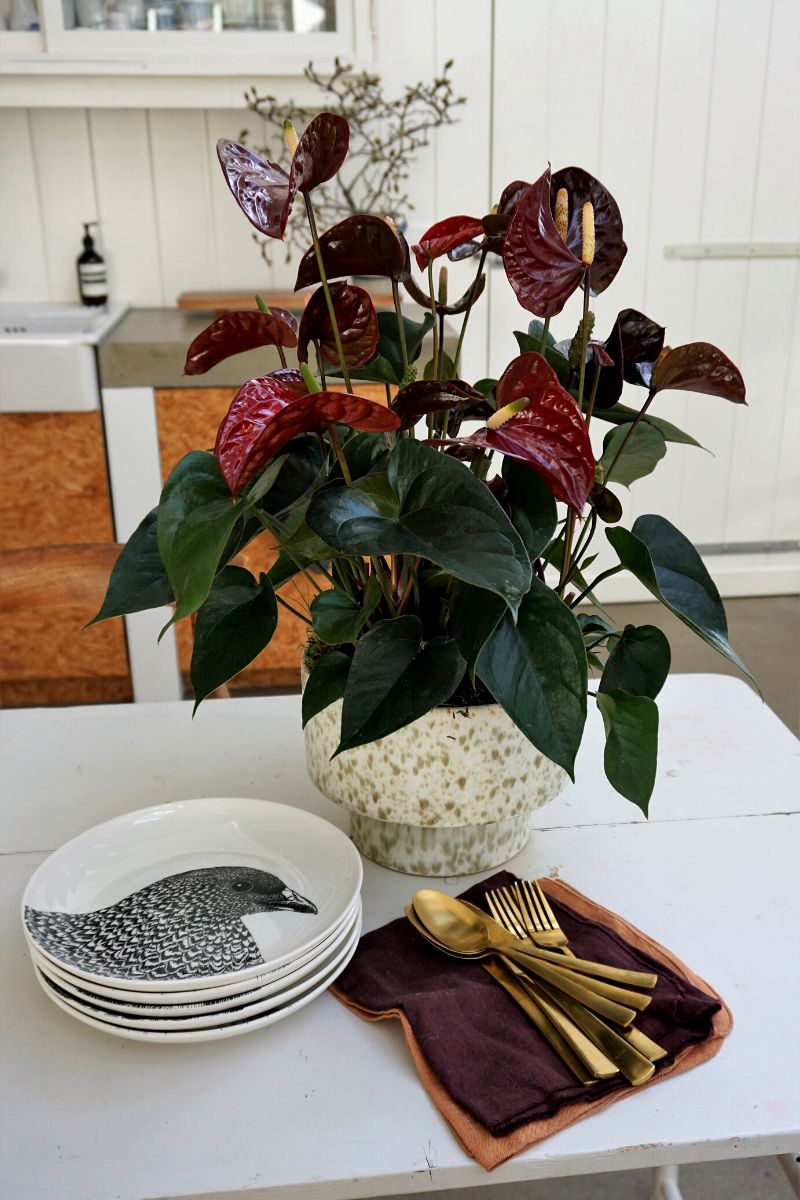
<point>298,903</point>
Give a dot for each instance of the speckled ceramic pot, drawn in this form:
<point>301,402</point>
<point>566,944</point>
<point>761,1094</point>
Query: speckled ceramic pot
<point>449,795</point>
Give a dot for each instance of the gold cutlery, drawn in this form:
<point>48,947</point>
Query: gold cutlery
<point>561,1029</point>
<point>469,932</point>
<point>517,919</point>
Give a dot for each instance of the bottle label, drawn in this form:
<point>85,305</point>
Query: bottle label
<point>93,279</point>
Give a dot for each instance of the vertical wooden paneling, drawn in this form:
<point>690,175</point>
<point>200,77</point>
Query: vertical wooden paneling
<point>178,144</point>
<point>737,101</point>
<point>770,292</point>
<point>785,522</point>
<point>236,255</point>
<point>62,153</point>
<point>125,204</point>
<point>23,266</point>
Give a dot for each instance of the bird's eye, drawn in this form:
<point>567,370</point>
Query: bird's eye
<point>242,885</point>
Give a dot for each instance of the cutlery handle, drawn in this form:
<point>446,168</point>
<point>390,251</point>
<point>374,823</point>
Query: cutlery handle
<point>573,984</point>
<point>633,1065</point>
<point>549,1030</point>
<point>645,1045</point>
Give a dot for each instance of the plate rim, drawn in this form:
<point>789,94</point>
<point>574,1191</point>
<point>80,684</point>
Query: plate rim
<point>202,1035</point>
<point>199,981</point>
<point>175,1025</point>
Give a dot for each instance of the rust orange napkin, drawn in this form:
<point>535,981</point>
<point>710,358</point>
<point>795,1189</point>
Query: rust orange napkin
<point>495,1080</point>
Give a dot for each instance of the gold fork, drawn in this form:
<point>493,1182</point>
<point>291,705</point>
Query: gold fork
<point>524,911</point>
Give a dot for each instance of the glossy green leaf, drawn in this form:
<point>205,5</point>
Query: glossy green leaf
<point>639,663</point>
<point>138,580</point>
<point>442,370</point>
<point>640,457</point>
<point>439,511</point>
<point>474,615</point>
<point>621,414</point>
<point>339,619</point>
<point>533,507</point>
<point>631,753</point>
<point>537,671</point>
<point>325,684</point>
<point>233,626</point>
<point>386,366</point>
<point>485,386</point>
<point>670,568</point>
<point>395,678</point>
<point>195,518</point>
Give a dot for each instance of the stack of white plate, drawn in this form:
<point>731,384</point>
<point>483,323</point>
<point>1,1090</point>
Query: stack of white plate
<point>196,920</point>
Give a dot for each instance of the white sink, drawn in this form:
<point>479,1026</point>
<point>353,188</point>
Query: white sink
<point>47,355</point>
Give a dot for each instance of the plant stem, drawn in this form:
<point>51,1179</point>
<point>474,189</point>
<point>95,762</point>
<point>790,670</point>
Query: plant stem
<point>603,575</point>
<point>276,535</point>
<point>545,332</point>
<point>434,314</point>
<point>339,452</point>
<point>570,529</point>
<point>337,337</point>
<point>401,329</point>
<point>582,544</point>
<point>388,395</point>
<point>629,434</point>
<point>440,367</point>
<point>320,366</point>
<point>470,303</point>
<point>593,394</point>
<point>385,586</point>
<point>292,610</point>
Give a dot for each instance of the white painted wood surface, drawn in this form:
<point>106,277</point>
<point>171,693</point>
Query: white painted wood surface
<point>324,1107</point>
<point>684,108</point>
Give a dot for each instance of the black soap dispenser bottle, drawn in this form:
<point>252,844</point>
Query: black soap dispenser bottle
<point>91,271</point>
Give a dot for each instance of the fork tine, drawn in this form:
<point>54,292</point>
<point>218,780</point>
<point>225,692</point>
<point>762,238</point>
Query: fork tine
<point>528,917</point>
<point>547,909</point>
<point>541,921</point>
<point>494,907</point>
<point>509,908</point>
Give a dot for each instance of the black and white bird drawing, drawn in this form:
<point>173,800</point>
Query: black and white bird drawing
<point>183,926</point>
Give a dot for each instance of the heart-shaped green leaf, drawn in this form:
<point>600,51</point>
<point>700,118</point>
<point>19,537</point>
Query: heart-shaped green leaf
<point>437,510</point>
<point>639,663</point>
<point>533,507</point>
<point>138,580</point>
<point>670,568</point>
<point>195,517</point>
<point>622,414</point>
<point>537,671</point>
<point>233,626</point>
<point>640,457</point>
<point>474,615</point>
<point>339,619</point>
<point>395,678</point>
<point>325,684</point>
<point>631,753</point>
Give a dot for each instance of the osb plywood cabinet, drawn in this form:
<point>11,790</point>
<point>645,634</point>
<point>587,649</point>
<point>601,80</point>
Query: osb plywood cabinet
<point>54,492</point>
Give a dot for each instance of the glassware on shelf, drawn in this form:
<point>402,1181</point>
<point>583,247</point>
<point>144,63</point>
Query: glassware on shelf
<point>161,16</point>
<point>239,14</point>
<point>274,14</point>
<point>198,15</point>
<point>23,16</point>
<point>91,14</point>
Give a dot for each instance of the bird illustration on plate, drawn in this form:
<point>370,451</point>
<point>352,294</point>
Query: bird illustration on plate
<point>184,926</point>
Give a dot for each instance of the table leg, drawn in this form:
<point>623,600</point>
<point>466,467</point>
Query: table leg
<point>665,1184</point>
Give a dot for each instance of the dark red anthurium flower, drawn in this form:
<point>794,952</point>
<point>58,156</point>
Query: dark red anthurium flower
<point>610,248</point>
<point>356,318</point>
<point>359,245</point>
<point>473,292</point>
<point>542,268</point>
<point>634,344</point>
<point>235,332</point>
<point>264,191</point>
<point>445,236</point>
<point>267,413</point>
<point>496,224</point>
<point>548,434</point>
<point>698,367</point>
<point>426,396</point>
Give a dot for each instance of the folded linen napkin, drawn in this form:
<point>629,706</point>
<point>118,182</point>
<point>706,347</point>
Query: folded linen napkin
<point>494,1078</point>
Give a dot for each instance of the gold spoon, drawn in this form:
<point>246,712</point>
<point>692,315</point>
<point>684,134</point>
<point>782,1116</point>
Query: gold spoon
<point>460,928</point>
<point>572,1045</point>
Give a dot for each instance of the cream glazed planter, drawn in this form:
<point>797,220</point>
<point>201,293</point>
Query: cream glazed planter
<point>449,795</point>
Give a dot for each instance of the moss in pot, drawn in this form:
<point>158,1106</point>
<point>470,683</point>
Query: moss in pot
<point>449,664</point>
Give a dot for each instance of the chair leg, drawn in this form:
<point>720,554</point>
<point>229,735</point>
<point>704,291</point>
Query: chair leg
<point>791,1169</point>
<point>665,1184</point>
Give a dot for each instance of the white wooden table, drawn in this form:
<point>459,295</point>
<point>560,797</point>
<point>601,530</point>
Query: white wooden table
<point>325,1107</point>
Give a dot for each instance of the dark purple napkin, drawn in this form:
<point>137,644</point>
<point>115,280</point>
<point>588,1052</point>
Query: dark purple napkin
<point>484,1050</point>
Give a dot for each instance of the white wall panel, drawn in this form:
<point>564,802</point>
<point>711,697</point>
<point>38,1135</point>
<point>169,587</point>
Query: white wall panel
<point>23,264</point>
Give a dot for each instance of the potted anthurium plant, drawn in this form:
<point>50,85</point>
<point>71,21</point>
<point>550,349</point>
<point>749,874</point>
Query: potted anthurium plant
<point>448,534</point>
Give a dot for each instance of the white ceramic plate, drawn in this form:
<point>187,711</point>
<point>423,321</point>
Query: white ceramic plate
<point>204,1035</point>
<point>215,1020</point>
<point>224,996</point>
<point>194,894</point>
<point>132,1006</point>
